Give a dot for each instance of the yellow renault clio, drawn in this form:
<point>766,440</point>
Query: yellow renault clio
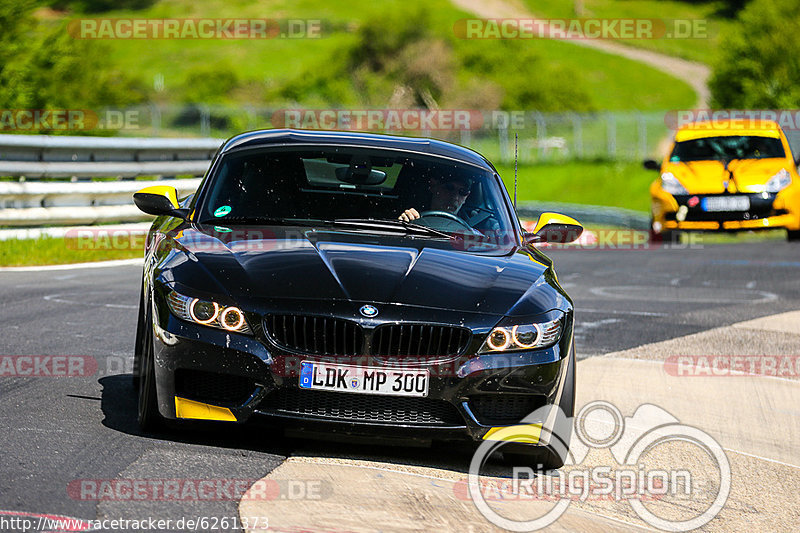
<point>720,176</point>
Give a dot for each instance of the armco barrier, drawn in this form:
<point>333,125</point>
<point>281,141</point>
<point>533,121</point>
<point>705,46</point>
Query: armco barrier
<point>53,203</point>
<point>65,203</point>
<point>62,149</point>
<point>30,202</point>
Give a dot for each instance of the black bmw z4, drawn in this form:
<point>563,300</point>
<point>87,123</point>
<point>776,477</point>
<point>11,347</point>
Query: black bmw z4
<point>356,284</point>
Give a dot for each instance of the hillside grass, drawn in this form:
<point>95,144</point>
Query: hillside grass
<point>613,83</point>
<point>702,49</point>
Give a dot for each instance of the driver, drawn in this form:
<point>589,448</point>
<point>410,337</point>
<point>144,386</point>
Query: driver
<point>447,194</point>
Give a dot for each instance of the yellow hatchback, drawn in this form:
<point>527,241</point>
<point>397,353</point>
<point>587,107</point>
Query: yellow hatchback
<point>720,177</point>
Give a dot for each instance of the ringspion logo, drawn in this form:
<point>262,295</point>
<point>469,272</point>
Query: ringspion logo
<point>632,442</point>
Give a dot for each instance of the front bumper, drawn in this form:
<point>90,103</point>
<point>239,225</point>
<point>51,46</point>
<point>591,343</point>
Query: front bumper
<point>204,373</point>
<point>685,213</point>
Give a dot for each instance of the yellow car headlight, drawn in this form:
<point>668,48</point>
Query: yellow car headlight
<point>779,181</point>
<point>671,184</point>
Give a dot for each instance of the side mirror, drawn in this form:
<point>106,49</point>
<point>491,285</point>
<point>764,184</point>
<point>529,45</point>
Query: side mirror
<point>160,200</point>
<point>651,164</point>
<point>556,228</point>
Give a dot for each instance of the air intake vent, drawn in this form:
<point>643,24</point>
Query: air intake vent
<point>210,387</point>
<point>505,408</point>
<point>361,408</point>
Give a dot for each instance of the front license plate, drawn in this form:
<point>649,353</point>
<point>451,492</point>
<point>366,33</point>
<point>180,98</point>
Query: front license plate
<point>365,380</point>
<point>726,203</point>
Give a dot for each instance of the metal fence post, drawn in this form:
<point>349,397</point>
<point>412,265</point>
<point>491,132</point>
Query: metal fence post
<point>577,135</point>
<point>502,138</point>
<point>642,128</point>
<point>466,137</point>
<point>205,121</point>
<point>541,134</point>
<point>156,119</point>
<point>611,129</point>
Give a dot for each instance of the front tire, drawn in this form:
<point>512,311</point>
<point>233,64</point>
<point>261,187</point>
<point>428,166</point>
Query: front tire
<point>793,235</point>
<point>148,415</point>
<point>138,348</point>
<point>664,237</point>
<point>543,458</point>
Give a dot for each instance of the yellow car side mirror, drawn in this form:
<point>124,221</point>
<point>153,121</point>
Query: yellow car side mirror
<point>555,228</point>
<point>160,200</point>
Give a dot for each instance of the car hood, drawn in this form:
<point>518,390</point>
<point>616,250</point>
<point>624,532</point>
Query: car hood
<point>319,265</point>
<point>709,177</point>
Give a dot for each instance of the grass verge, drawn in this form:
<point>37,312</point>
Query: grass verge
<point>60,251</point>
<point>608,183</point>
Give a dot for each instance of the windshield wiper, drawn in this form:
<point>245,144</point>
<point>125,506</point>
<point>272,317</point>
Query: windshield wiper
<point>388,224</point>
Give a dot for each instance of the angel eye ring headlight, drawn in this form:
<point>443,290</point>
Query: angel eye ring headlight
<point>499,339</point>
<point>518,337</point>
<point>207,313</point>
<point>526,336</point>
<point>231,319</point>
<point>203,312</point>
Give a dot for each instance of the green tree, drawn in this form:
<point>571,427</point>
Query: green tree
<point>43,67</point>
<point>759,62</point>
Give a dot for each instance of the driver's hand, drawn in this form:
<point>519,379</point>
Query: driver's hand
<point>408,215</point>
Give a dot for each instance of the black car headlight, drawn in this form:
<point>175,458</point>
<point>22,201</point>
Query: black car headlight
<point>208,313</point>
<point>514,337</point>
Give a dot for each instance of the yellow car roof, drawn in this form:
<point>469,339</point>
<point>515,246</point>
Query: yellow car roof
<point>725,127</point>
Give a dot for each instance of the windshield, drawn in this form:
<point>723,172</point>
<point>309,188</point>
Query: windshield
<point>342,184</point>
<point>727,148</point>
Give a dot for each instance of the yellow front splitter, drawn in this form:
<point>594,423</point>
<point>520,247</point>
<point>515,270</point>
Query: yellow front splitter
<point>201,411</point>
<point>525,433</point>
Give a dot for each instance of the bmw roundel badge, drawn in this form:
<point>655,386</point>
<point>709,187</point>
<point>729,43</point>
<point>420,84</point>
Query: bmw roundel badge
<point>369,311</point>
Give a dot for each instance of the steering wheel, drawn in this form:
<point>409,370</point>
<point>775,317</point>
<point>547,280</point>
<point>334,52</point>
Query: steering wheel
<point>445,214</point>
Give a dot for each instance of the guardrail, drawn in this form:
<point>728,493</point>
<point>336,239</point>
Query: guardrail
<point>38,203</point>
<point>59,148</point>
<point>30,202</point>
<point>52,203</point>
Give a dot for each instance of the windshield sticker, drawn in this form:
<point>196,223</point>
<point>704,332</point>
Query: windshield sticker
<point>222,211</point>
<point>222,229</point>
<point>675,159</point>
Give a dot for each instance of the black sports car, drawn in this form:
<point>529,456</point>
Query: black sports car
<point>352,283</point>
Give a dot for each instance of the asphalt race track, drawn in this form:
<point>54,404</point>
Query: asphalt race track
<point>58,431</point>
